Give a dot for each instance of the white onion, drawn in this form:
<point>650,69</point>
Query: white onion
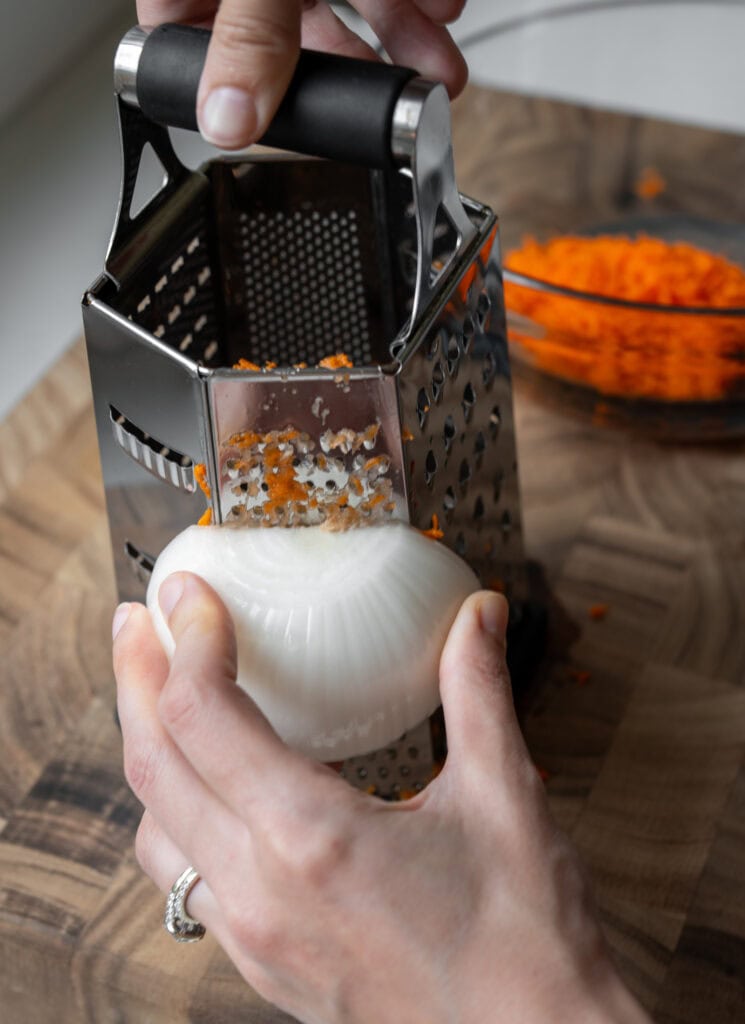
<point>339,634</point>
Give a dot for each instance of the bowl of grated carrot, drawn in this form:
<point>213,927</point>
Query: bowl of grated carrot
<point>641,325</point>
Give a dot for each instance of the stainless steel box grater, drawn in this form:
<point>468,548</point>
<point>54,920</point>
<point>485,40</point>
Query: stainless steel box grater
<point>283,261</point>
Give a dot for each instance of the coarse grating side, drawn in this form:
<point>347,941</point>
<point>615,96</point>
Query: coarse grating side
<point>287,261</point>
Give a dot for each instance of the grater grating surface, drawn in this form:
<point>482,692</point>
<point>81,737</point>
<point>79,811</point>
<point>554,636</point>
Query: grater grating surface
<point>320,303</point>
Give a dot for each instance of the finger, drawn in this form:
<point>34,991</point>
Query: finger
<point>237,914</point>
<point>163,862</point>
<point>215,724</point>
<point>250,61</point>
<point>137,653</point>
<point>442,12</point>
<point>323,30</point>
<point>482,728</point>
<point>155,768</point>
<point>410,38</point>
<point>187,12</point>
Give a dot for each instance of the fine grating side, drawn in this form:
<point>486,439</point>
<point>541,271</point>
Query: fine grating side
<point>304,286</point>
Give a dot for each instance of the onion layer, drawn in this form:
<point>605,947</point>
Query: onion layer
<point>339,634</point>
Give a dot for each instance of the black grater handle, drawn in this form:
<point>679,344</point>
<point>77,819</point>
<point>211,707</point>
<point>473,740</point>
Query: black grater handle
<point>335,107</point>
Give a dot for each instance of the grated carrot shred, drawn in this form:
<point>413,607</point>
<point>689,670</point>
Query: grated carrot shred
<point>200,475</point>
<point>434,531</point>
<point>338,361</point>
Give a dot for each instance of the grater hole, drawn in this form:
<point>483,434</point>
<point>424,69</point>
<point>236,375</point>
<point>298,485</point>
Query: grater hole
<point>478,509</point>
<point>452,355</point>
<point>449,501</point>
<point>430,468</point>
<point>468,401</point>
<point>139,562</point>
<point>448,432</point>
<point>482,308</point>
<point>495,420</point>
<point>422,406</point>
<point>157,458</point>
<point>464,474</point>
<point>460,545</point>
<point>506,524</point>
<point>438,381</point>
<point>497,485</point>
<point>469,330</point>
<point>479,446</point>
<point>489,369</point>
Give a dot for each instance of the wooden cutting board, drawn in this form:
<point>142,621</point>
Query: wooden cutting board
<point>638,720</point>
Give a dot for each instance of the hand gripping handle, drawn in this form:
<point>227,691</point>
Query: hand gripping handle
<point>335,107</point>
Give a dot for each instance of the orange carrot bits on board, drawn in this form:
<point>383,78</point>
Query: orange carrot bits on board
<point>597,612</point>
<point>650,184</point>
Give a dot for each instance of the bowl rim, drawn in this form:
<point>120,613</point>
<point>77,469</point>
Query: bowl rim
<point>537,283</point>
<point>568,9</point>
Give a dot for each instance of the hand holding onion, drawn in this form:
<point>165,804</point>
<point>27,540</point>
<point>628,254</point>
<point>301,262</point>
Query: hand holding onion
<point>339,635</point>
<point>464,903</point>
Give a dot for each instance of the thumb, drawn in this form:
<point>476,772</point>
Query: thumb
<point>482,729</point>
<point>250,61</point>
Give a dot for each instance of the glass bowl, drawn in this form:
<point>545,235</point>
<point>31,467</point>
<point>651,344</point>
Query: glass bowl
<point>668,371</point>
<point>574,105</point>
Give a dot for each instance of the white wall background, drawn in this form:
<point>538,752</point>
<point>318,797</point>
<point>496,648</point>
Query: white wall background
<point>59,160</point>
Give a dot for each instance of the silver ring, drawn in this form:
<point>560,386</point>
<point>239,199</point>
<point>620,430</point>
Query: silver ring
<point>177,921</point>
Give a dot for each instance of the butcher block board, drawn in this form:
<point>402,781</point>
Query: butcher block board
<point>636,720</point>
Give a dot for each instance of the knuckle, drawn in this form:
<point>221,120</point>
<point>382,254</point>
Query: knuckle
<point>257,934</point>
<point>142,769</point>
<point>318,858</point>
<point>179,707</point>
<point>238,33</point>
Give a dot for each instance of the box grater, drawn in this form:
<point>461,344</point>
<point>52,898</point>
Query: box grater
<point>363,247</point>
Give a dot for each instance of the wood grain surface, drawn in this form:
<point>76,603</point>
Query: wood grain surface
<point>637,719</point>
